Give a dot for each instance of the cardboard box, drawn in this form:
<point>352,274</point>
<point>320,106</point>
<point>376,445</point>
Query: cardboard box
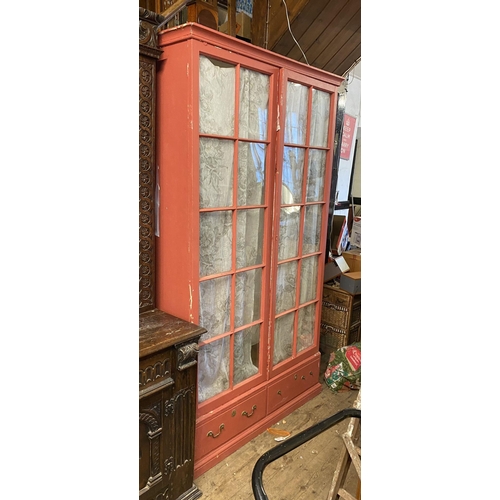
<point>351,282</point>
<point>339,236</point>
<point>355,238</point>
<point>353,259</point>
<point>243,24</point>
<point>335,268</point>
<point>331,271</point>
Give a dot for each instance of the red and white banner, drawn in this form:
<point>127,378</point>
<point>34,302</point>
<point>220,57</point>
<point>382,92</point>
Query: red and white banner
<point>347,136</point>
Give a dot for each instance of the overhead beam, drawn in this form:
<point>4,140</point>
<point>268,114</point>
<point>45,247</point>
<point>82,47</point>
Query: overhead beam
<point>171,11</point>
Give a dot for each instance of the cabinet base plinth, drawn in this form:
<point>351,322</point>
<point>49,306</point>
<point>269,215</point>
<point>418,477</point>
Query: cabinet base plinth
<point>212,459</point>
<point>191,494</point>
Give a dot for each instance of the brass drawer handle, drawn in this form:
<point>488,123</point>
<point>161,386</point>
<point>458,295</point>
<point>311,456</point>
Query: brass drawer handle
<point>303,377</point>
<point>254,407</point>
<point>279,392</point>
<point>211,434</point>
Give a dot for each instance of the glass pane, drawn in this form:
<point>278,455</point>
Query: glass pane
<point>251,170</point>
<point>316,175</point>
<point>319,118</point>
<point>312,229</point>
<point>216,239</point>
<point>283,337</point>
<point>305,329</point>
<point>217,90</point>
<point>254,100</point>
<point>308,279</point>
<point>247,297</point>
<point>288,244</point>
<point>249,237</point>
<point>216,173</point>
<point>246,353</point>
<point>293,170</point>
<point>296,113</point>
<point>286,283</point>
<point>214,378</point>
<point>215,306</point>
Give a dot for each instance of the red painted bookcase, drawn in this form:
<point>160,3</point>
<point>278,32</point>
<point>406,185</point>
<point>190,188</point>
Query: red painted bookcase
<point>244,152</point>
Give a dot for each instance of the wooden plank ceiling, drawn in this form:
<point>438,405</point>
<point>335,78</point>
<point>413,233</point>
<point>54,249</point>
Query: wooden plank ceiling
<point>328,31</point>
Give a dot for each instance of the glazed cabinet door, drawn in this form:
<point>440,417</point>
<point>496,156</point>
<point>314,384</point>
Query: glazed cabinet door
<point>302,191</point>
<point>235,188</point>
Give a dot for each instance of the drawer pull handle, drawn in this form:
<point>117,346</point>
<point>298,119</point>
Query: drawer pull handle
<point>211,434</point>
<point>279,392</point>
<point>244,413</point>
<point>310,373</point>
<point>303,377</point>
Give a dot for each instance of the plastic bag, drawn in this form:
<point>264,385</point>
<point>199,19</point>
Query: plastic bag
<point>344,368</point>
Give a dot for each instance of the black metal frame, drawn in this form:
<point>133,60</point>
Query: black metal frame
<point>353,167</point>
<point>292,443</point>
<point>339,128</point>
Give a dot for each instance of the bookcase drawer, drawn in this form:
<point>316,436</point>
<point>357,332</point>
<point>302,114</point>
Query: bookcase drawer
<point>226,424</point>
<point>292,384</point>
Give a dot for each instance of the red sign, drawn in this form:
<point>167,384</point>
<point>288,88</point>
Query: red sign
<point>353,355</point>
<point>347,136</point>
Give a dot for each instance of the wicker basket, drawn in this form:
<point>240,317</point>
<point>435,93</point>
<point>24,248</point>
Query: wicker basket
<point>335,314</point>
<point>340,319</point>
<point>330,340</point>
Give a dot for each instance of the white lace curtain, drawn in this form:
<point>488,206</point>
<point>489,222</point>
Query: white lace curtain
<point>293,169</point>
<point>217,117</point>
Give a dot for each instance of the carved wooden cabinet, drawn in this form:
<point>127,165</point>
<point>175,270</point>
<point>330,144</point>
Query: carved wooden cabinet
<point>244,150</point>
<point>168,346</point>
<point>168,349</point>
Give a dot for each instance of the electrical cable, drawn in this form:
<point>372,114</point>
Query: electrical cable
<point>290,30</point>
<point>266,38</point>
<point>352,66</point>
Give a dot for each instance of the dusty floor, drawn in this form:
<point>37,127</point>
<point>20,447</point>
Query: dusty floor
<point>303,474</point>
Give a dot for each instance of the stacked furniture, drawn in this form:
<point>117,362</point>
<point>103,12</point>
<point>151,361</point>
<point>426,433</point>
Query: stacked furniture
<point>168,346</point>
<point>340,318</point>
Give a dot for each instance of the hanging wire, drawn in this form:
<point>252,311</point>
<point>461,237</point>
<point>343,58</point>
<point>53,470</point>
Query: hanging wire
<point>290,30</point>
<point>352,66</point>
<point>266,39</point>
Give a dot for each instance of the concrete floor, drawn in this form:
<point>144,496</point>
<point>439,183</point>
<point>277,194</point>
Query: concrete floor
<point>303,474</point>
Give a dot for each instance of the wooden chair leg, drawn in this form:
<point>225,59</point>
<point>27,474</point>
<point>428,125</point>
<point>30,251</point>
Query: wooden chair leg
<point>348,453</point>
<point>340,474</point>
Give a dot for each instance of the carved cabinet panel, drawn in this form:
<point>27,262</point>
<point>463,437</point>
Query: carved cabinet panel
<point>148,55</point>
<point>167,406</point>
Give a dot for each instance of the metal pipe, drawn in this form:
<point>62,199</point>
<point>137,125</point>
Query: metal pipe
<point>292,443</point>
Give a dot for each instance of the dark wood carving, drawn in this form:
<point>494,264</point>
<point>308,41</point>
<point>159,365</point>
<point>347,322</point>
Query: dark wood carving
<point>168,346</point>
<point>168,350</point>
<point>187,355</point>
<point>151,417</point>
<point>148,55</point>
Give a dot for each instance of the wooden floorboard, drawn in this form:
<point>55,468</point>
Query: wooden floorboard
<point>303,474</point>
